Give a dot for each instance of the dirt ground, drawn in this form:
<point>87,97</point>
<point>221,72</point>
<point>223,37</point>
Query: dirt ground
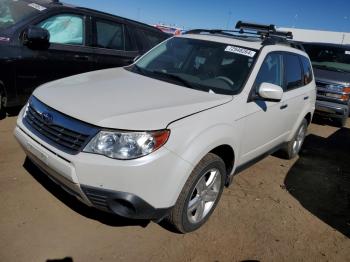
<point>276,210</point>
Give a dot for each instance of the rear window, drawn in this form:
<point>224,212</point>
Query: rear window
<point>12,12</point>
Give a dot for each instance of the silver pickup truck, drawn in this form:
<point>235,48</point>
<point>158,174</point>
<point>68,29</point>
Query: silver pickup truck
<point>331,63</point>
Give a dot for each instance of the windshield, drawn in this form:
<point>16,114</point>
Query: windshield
<point>329,57</point>
<point>14,11</point>
<point>202,65</point>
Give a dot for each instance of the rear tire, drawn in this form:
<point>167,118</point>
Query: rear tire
<point>293,147</point>
<point>200,195</point>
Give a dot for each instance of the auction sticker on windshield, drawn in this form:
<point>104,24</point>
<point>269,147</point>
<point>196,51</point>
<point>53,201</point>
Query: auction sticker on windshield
<point>37,7</point>
<point>240,50</point>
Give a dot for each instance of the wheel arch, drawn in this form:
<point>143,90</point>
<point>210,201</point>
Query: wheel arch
<point>227,154</point>
<point>305,115</point>
<point>308,118</point>
<point>2,88</point>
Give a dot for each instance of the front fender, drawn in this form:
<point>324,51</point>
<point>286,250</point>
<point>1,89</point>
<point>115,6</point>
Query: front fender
<point>195,145</point>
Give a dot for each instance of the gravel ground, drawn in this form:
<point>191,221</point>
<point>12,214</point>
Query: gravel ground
<point>276,210</point>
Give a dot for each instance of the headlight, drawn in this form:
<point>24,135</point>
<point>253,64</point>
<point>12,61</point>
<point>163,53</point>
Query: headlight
<point>340,92</point>
<point>25,111</point>
<point>126,145</point>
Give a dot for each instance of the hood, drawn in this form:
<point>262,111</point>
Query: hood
<point>117,98</point>
<point>332,76</point>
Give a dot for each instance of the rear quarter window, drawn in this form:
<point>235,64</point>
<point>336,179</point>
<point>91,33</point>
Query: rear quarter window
<point>148,39</point>
<point>307,69</point>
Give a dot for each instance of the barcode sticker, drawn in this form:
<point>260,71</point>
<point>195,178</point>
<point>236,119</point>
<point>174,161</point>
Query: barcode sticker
<point>37,7</point>
<point>240,50</point>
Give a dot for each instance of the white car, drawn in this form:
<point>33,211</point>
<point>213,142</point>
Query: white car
<point>162,137</point>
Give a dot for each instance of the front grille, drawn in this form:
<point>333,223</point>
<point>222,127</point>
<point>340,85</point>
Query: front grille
<point>60,135</point>
<point>321,88</point>
<point>59,131</point>
<point>322,84</point>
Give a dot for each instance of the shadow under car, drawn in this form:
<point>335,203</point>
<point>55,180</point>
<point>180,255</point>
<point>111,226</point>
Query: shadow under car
<point>320,179</point>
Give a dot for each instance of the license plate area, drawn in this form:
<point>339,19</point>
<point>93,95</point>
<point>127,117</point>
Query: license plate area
<point>40,155</point>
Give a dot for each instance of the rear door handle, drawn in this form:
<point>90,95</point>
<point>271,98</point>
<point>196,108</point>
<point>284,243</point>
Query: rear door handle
<point>81,57</point>
<point>283,106</point>
<point>306,98</point>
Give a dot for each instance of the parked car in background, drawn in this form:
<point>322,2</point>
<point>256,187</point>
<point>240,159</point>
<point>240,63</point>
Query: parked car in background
<point>203,106</point>
<point>331,63</point>
<point>43,40</point>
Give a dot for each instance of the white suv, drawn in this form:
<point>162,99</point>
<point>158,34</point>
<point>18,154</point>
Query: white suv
<point>162,137</point>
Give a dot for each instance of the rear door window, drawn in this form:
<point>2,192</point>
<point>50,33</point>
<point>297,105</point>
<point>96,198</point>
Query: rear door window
<point>65,29</point>
<point>110,35</point>
<point>293,72</point>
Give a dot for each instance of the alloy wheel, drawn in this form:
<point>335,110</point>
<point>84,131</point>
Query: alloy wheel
<point>204,195</point>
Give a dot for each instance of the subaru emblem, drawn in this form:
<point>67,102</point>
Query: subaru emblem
<point>47,117</point>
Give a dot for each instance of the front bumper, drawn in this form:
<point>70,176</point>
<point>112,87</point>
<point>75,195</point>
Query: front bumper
<point>331,109</point>
<point>144,188</point>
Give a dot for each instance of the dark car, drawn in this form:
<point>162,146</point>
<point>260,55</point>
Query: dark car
<point>41,41</point>
<point>331,63</point>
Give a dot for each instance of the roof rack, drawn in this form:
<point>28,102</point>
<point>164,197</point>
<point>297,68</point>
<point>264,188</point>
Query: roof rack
<point>256,27</point>
<point>267,33</point>
<point>57,2</point>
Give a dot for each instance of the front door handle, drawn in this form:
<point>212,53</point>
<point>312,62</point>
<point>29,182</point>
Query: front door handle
<point>306,97</point>
<point>283,106</point>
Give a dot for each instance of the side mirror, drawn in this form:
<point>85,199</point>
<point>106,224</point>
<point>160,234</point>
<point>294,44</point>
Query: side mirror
<point>36,37</point>
<point>270,92</point>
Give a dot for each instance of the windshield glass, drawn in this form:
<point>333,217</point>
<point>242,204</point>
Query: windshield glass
<point>202,65</point>
<point>12,12</point>
<point>329,57</point>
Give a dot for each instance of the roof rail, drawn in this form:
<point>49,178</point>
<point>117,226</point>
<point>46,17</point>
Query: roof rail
<point>231,33</point>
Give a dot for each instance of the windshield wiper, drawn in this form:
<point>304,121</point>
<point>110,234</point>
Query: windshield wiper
<point>175,77</point>
<point>139,69</point>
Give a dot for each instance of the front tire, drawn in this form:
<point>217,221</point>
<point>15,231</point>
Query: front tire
<point>293,147</point>
<point>200,194</point>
